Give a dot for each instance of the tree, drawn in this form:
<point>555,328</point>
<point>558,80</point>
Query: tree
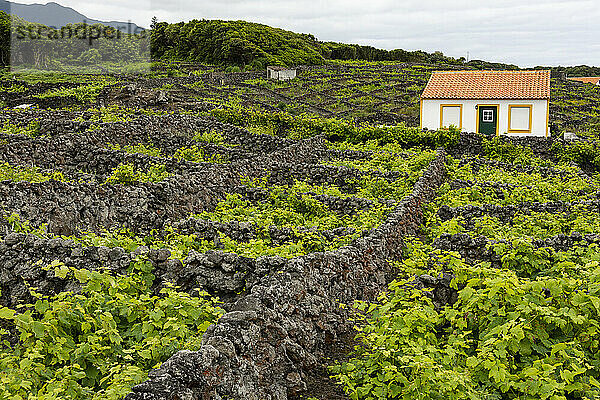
<point>90,57</point>
<point>4,38</point>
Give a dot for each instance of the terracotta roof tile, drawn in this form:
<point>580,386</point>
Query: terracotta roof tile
<point>586,79</point>
<point>488,85</point>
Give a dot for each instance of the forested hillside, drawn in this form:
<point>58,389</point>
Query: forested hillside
<point>225,43</point>
<point>236,44</point>
<point>26,44</point>
<point>233,42</point>
<point>242,43</point>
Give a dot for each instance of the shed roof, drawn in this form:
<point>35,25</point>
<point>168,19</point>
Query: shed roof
<point>277,68</point>
<point>586,79</point>
<point>488,85</point>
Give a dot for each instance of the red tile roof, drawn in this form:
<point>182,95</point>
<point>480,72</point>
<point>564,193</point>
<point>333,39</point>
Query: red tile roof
<point>586,79</point>
<point>488,85</point>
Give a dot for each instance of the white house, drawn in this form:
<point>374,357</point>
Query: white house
<point>280,73</point>
<point>489,102</point>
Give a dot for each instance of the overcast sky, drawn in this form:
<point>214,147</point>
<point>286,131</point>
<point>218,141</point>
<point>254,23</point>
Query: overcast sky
<point>526,33</point>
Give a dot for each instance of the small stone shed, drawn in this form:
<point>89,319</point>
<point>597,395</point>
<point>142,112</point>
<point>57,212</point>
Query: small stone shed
<point>281,73</point>
<point>489,102</point>
<point>594,80</point>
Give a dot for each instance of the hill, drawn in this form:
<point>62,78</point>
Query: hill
<point>248,43</point>
<point>55,15</point>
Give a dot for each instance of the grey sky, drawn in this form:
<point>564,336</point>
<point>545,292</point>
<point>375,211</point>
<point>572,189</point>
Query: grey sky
<point>527,33</point>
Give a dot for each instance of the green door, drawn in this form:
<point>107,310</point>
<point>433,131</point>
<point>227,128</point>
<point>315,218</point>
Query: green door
<point>488,117</point>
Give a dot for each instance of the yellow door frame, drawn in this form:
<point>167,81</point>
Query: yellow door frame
<point>421,115</point>
<point>547,116</point>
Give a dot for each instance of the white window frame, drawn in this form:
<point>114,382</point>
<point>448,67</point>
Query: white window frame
<point>487,113</point>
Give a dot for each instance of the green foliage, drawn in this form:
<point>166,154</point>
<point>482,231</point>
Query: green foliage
<point>256,45</point>
<point>196,154</point>
<point>210,136</point>
<point>234,43</point>
<point>532,225</point>
<point>19,173</point>
<point>574,106</point>
<point>358,96</point>
<point>90,57</point>
<point>178,244</point>
<point>505,337</point>
<point>262,129</point>
<point>524,329</point>
<point>378,188</point>
<point>109,114</point>
<point>390,157</point>
<point>296,207</point>
<point>33,77</point>
<point>535,186</point>
<point>585,154</point>
<point>504,150</point>
<point>83,94</point>
<point>31,130</point>
<point>5,36</point>
<point>23,226</point>
<point>293,207</point>
<point>522,257</point>
<point>127,174</point>
<point>14,88</point>
<point>43,48</point>
<point>98,343</point>
<point>304,126</point>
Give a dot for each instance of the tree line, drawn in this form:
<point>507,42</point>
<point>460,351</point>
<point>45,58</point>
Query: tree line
<point>36,45</point>
<point>224,43</point>
<point>244,43</point>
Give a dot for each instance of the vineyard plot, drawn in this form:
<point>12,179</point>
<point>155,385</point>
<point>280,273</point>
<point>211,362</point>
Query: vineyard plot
<point>127,239</point>
<point>499,296</point>
<point>376,92</point>
<point>230,217</point>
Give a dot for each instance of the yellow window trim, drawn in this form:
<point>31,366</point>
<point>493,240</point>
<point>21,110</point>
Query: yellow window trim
<point>421,115</point>
<point>442,114</point>
<point>547,116</point>
<point>510,107</point>
<point>497,116</point>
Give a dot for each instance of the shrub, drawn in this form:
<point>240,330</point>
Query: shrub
<point>504,150</point>
<point>98,343</point>
<point>504,338</point>
<point>127,174</point>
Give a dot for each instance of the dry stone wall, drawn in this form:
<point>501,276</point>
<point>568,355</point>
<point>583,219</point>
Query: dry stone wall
<point>281,314</point>
<point>472,144</point>
<point>478,248</point>
<point>506,213</point>
<point>265,345</point>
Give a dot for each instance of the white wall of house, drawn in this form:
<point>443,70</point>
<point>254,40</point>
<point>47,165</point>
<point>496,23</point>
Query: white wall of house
<point>467,119</point>
<point>282,75</point>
